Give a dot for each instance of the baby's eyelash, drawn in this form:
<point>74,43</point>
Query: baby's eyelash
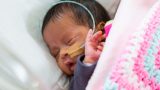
<point>70,42</point>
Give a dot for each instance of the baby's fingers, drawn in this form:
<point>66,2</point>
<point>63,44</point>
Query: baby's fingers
<point>103,37</point>
<point>97,36</point>
<point>101,44</point>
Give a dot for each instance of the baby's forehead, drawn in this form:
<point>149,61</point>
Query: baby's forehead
<point>78,15</point>
<point>61,15</point>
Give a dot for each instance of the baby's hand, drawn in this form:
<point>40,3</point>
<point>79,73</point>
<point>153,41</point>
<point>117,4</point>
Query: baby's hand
<point>93,46</point>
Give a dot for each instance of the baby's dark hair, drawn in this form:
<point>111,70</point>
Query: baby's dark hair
<point>79,14</point>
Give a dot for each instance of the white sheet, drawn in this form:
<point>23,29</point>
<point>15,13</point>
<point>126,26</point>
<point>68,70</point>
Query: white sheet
<point>111,6</point>
<point>25,63</point>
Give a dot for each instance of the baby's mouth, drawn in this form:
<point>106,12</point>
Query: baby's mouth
<point>70,64</point>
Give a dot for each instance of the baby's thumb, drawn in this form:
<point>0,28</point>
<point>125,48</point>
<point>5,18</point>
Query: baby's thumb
<point>89,35</point>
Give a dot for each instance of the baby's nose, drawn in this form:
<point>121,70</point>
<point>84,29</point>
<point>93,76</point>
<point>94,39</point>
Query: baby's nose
<point>64,55</point>
<point>75,51</point>
<point>67,57</point>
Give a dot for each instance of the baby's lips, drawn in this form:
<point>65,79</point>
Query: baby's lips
<point>70,64</point>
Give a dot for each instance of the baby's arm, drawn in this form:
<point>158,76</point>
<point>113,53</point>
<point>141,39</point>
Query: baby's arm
<point>83,72</point>
<point>93,46</point>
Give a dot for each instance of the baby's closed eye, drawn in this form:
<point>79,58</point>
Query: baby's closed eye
<point>71,41</point>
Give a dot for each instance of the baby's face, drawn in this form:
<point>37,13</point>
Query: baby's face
<point>62,35</point>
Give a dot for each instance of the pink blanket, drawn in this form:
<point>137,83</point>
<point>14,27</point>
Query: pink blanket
<point>115,67</point>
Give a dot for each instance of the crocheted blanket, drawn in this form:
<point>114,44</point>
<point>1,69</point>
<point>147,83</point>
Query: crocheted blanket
<point>138,68</point>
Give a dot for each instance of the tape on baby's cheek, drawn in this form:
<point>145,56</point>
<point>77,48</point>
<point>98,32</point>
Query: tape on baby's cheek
<point>75,50</point>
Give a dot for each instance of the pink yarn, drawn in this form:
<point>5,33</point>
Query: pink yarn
<point>142,64</point>
<point>108,27</point>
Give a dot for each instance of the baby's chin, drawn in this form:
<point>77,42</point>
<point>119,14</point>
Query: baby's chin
<point>70,71</point>
<point>72,68</point>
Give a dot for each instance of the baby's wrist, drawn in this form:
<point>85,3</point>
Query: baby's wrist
<point>89,60</point>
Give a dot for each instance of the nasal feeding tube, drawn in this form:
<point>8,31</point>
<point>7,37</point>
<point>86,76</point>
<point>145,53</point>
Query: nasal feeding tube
<point>80,49</point>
